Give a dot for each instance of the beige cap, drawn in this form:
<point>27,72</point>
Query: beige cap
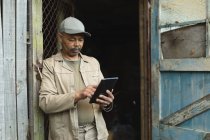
<point>72,25</point>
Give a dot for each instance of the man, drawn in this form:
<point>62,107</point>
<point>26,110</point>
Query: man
<point>69,79</point>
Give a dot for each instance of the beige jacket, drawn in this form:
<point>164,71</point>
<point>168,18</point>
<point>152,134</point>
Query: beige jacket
<point>57,96</point>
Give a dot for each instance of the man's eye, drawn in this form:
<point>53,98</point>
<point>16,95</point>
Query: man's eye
<point>71,39</point>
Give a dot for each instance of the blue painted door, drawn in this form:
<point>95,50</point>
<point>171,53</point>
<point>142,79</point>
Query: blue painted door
<point>180,70</point>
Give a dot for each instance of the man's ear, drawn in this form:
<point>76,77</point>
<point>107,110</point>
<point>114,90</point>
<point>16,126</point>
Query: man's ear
<point>59,36</point>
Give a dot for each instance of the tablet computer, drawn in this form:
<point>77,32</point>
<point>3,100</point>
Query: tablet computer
<point>105,84</point>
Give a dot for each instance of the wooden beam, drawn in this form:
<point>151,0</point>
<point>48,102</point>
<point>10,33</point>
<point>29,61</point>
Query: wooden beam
<point>9,18</point>
<point>155,73</point>
<point>182,24</point>
<point>179,133</point>
<point>155,57</point>
<point>21,69</point>
<point>145,75</point>
<point>198,64</point>
<point>2,95</point>
<point>208,28</point>
<point>35,53</point>
<point>188,112</point>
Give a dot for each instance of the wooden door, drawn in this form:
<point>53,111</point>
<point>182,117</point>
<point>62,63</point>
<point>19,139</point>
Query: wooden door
<point>180,70</point>
<point>13,70</point>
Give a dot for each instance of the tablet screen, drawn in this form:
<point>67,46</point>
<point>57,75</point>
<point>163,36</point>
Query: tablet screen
<point>105,84</point>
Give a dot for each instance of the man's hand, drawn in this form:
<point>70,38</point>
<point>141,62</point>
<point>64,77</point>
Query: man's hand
<point>86,92</point>
<point>105,100</point>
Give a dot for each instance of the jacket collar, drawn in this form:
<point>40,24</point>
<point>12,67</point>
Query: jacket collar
<point>58,57</point>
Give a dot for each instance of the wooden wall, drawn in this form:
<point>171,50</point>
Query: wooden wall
<point>13,70</point>
<point>19,57</point>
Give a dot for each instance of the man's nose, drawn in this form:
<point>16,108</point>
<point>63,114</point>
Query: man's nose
<point>76,42</point>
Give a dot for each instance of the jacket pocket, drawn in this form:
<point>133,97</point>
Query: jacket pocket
<point>93,77</point>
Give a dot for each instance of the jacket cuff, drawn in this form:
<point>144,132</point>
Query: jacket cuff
<point>108,108</point>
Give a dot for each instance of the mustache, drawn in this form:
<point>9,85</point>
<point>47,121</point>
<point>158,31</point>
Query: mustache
<point>75,49</point>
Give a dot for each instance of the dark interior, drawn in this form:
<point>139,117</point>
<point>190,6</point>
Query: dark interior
<point>114,25</point>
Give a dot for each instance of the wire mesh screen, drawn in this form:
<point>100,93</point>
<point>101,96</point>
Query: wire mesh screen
<point>53,12</point>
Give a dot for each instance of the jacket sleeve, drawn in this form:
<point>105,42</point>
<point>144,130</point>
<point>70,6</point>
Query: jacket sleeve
<point>99,69</point>
<point>50,101</point>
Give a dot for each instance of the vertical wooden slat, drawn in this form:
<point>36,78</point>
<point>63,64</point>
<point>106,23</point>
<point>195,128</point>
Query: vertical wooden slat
<point>2,96</point>
<point>186,92</point>
<point>21,68</point>
<point>166,82</point>
<point>144,25</point>
<point>155,73</point>
<point>170,97</point>
<point>198,84</point>
<point>208,28</point>
<point>9,69</point>
<point>35,57</point>
<point>206,92</point>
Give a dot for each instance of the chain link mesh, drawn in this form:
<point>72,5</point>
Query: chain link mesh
<point>53,12</point>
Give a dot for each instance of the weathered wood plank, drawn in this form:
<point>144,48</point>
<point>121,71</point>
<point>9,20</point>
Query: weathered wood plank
<point>144,19</point>
<point>155,74</point>
<point>2,118</point>
<point>206,91</point>
<point>155,57</point>
<point>9,69</point>
<point>188,112</point>
<point>187,42</point>
<point>198,122</point>
<point>170,93</point>
<point>177,133</point>
<point>2,96</point>
<point>174,12</point>
<point>199,64</point>
<point>182,24</point>
<point>186,90</point>
<point>190,87</point>
<point>208,28</point>
<point>21,69</point>
<point>35,56</point>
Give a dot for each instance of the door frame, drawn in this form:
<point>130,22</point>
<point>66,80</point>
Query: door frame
<point>35,38</point>
<point>145,69</point>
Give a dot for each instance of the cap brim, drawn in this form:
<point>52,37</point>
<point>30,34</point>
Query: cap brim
<point>70,31</point>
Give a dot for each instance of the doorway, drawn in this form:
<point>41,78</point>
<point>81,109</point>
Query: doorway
<point>114,26</point>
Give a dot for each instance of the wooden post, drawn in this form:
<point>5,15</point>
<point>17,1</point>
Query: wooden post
<point>155,73</point>
<point>8,79</point>
<point>207,28</point>
<point>21,69</point>
<point>35,52</point>
<point>2,95</point>
<point>145,69</point>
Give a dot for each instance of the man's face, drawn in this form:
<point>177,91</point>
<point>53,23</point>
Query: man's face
<point>71,44</point>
